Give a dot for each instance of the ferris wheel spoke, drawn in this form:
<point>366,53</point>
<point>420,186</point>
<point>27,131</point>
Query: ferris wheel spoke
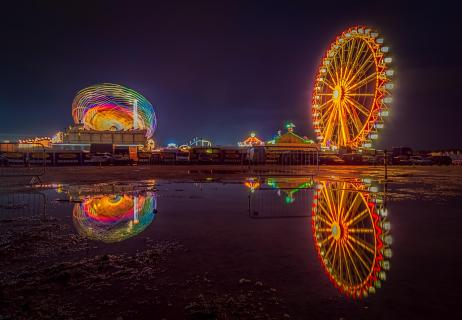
<point>325,103</point>
<point>351,48</point>
<point>343,126</point>
<point>334,255</point>
<point>329,204</point>
<point>325,240</point>
<point>347,214</point>
<point>337,262</point>
<point>327,112</point>
<point>360,230</point>
<point>324,208</point>
<point>329,249</point>
<point>353,262</point>
<point>360,95</point>
<point>347,265</point>
<point>362,82</point>
<point>329,83</point>
<point>358,217</point>
<point>358,106</point>
<point>361,243</point>
<point>342,57</point>
<point>354,63</point>
<point>336,196</point>
<point>328,213</point>
<point>341,206</point>
<point>360,257</point>
<point>330,126</point>
<point>355,119</point>
<point>320,217</point>
<point>363,67</point>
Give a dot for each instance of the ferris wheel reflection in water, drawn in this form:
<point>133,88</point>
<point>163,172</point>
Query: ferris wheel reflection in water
<point>350,228</point>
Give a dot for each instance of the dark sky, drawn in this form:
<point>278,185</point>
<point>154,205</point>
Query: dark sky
<point>220,69</point>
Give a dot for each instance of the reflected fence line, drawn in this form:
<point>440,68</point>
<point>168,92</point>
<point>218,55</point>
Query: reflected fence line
<point>281,203</point>
<point>23,160</point>
<point>22,204</point>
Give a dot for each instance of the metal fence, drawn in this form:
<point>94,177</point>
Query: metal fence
<point>23,160</point>
<point>283,160</point>
<point>22,204</point>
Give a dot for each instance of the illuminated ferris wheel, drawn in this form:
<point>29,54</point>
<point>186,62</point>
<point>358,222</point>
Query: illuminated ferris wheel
<point>352,91</point>
<point>352,237</point>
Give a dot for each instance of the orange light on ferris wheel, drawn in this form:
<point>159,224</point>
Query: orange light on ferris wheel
<point>352,91</point>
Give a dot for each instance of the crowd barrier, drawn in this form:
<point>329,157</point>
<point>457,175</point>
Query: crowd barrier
<point>23,160</point>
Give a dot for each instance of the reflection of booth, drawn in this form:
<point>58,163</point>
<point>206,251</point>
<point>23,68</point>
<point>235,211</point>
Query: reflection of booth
<point>113,218</point>
<point>290,186</point>
<point>280,197</point>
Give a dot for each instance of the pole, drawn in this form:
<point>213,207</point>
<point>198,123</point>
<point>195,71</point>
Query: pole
<point>135,114</point>
<point>385,164</point>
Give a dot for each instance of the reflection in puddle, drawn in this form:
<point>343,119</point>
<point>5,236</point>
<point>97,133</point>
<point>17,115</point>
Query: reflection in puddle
<point>22,204</point>
<point>114,218</point>
<point>280,197</point>
<point>349,225</point>
<point>351,235</point>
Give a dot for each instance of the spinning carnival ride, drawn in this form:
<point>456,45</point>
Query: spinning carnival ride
<point>109,106</point>
<point>351,94</point>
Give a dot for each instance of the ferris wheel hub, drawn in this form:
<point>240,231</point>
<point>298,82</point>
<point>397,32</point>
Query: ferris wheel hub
<point>336,231</point>
<point>338,94</point>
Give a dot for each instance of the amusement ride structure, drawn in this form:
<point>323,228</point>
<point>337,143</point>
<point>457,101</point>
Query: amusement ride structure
<point>112,107</point>
<point>352,91</point>
<point>200,142</point>
<point>250,141</point>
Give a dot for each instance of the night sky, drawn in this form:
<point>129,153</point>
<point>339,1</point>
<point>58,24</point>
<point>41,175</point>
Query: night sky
<point>220,69</point>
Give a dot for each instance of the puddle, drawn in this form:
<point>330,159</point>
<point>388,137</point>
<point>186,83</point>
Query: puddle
<point>260,247</point>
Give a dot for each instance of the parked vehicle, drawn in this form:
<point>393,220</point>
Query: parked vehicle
<point>182,156</point>
<point>442,160</point>
<point>330,159</point>
<point>352,158</point>
<point>401,156</point>
<point>371,160</point>
<point>421,161</point>
<point>102,158</point>
<point>401,160</point>
<point>3,161</point>
<point>121,158</point>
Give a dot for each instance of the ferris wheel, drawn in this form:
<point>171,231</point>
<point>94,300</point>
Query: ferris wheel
<point>352,236</point>
<point>352,91</point>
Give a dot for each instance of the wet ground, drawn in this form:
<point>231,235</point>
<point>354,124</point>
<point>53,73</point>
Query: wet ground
<point>340,244</point>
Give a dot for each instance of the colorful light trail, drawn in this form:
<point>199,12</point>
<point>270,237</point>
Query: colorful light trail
<point>109,106</point>
<point>113,218</point>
